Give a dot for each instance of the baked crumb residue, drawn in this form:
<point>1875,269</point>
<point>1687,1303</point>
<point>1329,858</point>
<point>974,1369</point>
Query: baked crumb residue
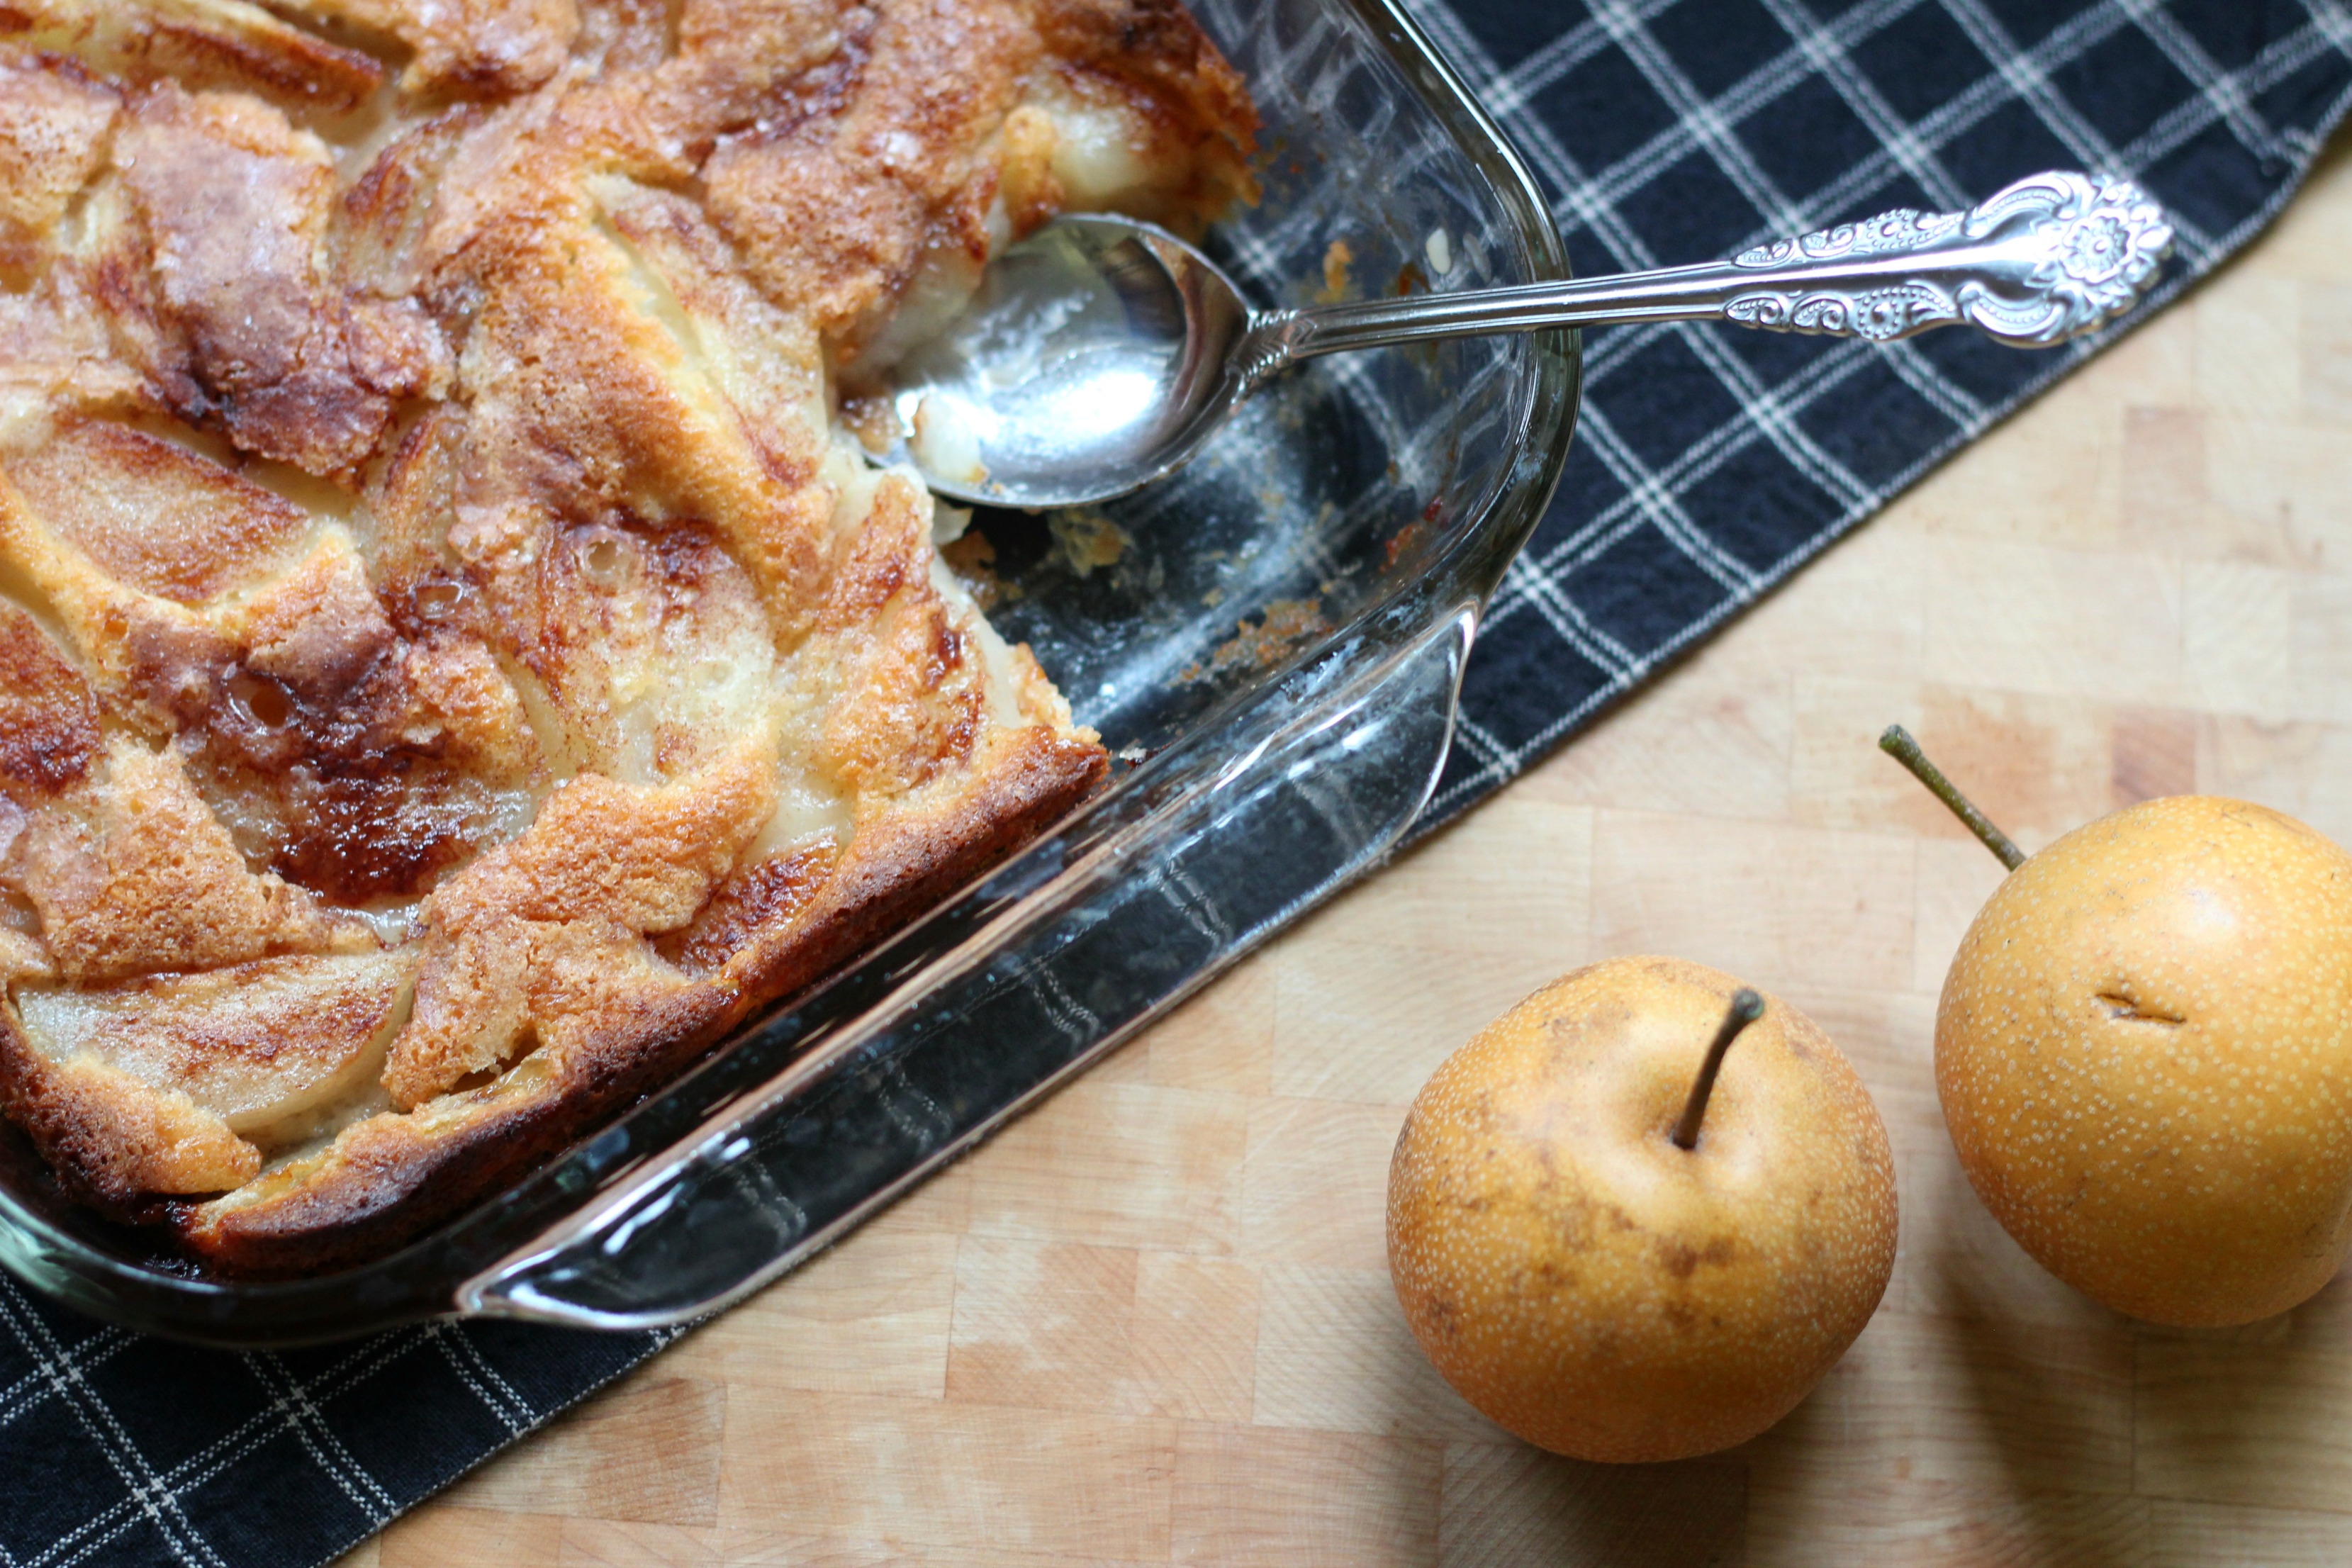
<point>1338,286</point>
<point>1280,630</point>
<point>455,656</point>
<point>1086,542</point>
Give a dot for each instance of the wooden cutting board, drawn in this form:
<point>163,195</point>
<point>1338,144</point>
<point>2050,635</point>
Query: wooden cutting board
<point>1152,1323</point>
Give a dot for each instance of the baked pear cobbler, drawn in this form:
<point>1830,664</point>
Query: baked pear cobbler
<point>455,660</point>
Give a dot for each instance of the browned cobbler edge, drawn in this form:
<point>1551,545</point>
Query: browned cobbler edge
<point>371,1207</point>
<point>404,1180</point>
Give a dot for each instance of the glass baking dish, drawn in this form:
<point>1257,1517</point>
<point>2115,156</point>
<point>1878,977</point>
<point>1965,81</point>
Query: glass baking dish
<point>1272,641</point>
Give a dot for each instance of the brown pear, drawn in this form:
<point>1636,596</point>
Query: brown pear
<point>1597,1288</point>
<point>2144,1053</point>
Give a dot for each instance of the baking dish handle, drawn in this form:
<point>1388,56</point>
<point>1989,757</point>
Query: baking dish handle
<point>1310,787</point>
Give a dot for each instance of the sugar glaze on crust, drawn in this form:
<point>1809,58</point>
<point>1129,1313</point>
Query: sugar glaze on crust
<point>454,663</point>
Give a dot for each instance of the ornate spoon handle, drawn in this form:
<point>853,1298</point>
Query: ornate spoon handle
<point>2052,256</point>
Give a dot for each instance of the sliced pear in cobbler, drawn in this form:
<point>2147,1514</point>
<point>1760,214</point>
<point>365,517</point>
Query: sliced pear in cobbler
<point>275,1047</point>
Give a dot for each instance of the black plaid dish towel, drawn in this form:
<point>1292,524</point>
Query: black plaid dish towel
<point>1707,466</point>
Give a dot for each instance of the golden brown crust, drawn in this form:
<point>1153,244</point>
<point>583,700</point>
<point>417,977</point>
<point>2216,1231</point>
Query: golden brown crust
<point>465,45</point>
<point>112,1138</point>
<point>453,666</point>
<point>236,324</point>
<point>839,214</point>
<point>910,861</point>
<point>134,874</point>
<point>381,1183</point>
<point>202,43</point>
<point>53,128</point>
<point>49,725</point>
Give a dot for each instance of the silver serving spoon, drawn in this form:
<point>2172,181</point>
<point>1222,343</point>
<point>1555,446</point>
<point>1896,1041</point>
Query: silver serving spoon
<point>1099,353</point>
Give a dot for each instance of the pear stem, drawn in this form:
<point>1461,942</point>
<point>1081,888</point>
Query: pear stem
<point>1897,744</point>
<point>1745,1009</point>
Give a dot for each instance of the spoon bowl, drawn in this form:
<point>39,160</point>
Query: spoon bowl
<point>1094,358</point>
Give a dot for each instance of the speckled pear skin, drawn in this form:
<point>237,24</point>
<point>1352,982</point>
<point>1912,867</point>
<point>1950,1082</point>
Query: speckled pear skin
<point>2144,1053</point>
<point>1600,1292</point>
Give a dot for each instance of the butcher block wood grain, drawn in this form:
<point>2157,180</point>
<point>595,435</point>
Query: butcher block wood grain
<point>1151,1322</point>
